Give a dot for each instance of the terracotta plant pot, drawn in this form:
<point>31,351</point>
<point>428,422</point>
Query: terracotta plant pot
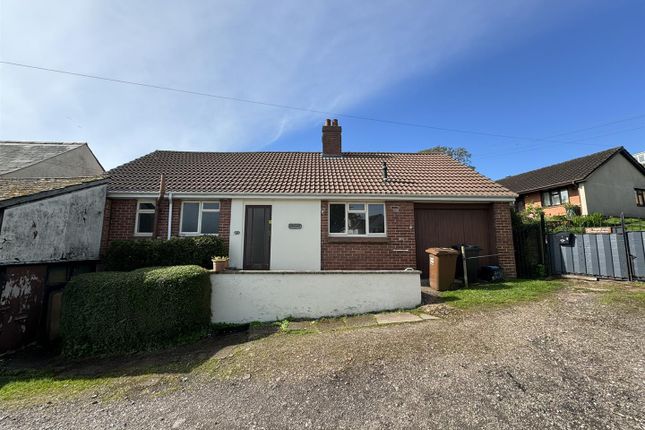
<point>220,265</point>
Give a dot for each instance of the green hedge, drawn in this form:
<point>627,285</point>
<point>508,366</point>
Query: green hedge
<point>109,312</point>
<point>125,255</point>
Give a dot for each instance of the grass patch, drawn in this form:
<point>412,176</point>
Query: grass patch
<point>622,296</point>
<point>46,388</point>
<point>301,331</point>
<point>502,293</point>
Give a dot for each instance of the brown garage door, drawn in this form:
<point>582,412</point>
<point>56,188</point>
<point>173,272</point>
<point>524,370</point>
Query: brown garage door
<point>447,225</point>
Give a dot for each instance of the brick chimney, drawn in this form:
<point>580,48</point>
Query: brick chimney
<point>331,141</point>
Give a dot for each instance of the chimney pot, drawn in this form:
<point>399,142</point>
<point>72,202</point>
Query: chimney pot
<point>331,138</point>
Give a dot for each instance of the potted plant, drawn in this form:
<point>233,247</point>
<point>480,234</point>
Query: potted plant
<point>220,263</point>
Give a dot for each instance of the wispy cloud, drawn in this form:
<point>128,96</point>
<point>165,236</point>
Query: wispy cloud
<point>327,55</point>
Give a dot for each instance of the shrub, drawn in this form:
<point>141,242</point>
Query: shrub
<point>125,255</point>
<point>571,210</point>
<point>592,220</point>
<point>109,312</point>
<point>532,212</point>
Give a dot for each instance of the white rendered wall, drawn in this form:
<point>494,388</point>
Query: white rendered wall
<point>583,199</point>
<point>66,227</point>
<point>242,297</point>
<point>290,249</point>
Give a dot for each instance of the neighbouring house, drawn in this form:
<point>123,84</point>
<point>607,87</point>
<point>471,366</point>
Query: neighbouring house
<point>47,160</point>
<point>313,211</point>
<point>50,230</point>
<point>608,182</point>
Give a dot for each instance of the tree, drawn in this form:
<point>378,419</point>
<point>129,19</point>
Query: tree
<point>459,153</point>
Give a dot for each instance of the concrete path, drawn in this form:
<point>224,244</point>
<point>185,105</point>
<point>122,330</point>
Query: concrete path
<point>331,324</point>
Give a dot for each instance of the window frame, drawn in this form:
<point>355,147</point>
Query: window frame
<point>550,193</point>
<point>367,219</point>
<point>144,211</point>
<point>199,217</point>
<point>640,192</point>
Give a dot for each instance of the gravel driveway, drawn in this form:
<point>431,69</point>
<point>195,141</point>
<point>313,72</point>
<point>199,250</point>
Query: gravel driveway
<point>570,361</point>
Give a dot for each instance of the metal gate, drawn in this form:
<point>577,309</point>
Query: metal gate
<point>603,255</point>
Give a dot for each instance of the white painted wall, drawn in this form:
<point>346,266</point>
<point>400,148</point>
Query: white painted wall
<point>66,227</point>
<point>290,249</point>
<point>583,199</point>
<point>610,189</point>
<point>241,297</point>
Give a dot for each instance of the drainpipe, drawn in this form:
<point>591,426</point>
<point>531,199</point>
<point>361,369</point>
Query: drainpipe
<point>162,191</point>
<point>169,214</point>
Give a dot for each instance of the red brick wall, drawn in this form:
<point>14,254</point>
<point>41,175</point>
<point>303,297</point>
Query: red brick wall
<point>396,251</point>
<point>120,218</point>
<point>504,238</point>
<point>225,220</point>
<point>535,199</point>
<point>118,221</point>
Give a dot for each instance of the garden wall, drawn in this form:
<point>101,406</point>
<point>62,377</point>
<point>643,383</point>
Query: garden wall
<point>246,296</point>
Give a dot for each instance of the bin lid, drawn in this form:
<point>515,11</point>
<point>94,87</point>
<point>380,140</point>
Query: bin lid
<point>441,251</point>
<point>467,247</point>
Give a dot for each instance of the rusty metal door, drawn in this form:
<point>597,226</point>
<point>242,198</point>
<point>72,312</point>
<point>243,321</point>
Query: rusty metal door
<point>21,297</point>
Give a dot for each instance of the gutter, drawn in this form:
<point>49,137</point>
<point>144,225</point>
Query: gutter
<point>214,196</point>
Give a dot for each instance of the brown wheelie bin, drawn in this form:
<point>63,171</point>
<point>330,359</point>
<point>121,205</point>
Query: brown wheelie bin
<point>443,263</point>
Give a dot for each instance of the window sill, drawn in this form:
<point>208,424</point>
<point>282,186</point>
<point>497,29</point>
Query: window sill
<point>355,239</point>
<point>197,234</point>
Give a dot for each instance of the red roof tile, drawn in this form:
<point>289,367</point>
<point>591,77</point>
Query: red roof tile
<point>431,174</point>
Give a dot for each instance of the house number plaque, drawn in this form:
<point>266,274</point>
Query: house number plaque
<point>295,226</point>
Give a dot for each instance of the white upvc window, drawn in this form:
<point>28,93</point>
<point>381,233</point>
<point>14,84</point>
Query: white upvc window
<point>199,218</point>
<point>144,224</point>
<point>357,219</point>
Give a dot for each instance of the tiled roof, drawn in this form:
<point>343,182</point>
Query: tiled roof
<point>564,173</point>
<point>431,174</point>
<point>16,188</point>
<point>18,155</point>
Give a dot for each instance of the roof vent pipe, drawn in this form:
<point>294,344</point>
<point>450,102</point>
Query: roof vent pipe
<point>385,171</point>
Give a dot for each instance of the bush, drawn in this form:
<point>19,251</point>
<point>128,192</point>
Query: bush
<point>125,255</point>
<point>109,312</point>
<point>576,223</point>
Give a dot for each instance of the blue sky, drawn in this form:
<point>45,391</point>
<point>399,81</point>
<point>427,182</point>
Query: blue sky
<point>530,69</point>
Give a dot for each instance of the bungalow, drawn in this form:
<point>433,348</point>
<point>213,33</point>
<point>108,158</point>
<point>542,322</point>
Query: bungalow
<point>608,182</point>
<point>312,211</point>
